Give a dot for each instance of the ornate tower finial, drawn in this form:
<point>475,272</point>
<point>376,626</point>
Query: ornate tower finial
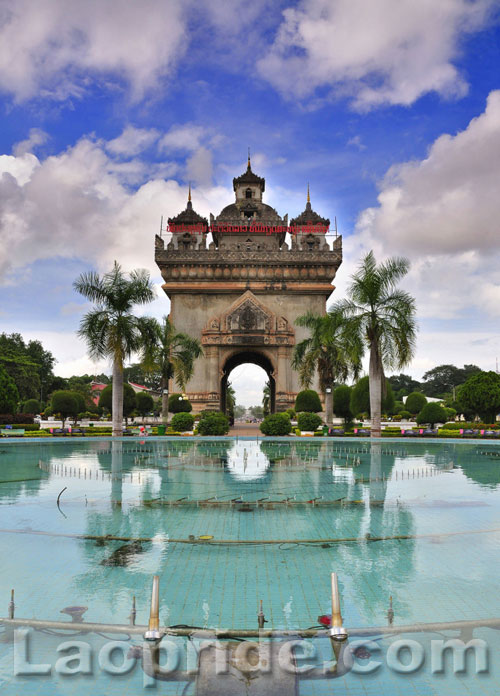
<point>248,164</point>
<point>189,193</point>
<point>308,196</point>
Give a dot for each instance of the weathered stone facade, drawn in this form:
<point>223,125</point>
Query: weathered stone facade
<point>241,294</point>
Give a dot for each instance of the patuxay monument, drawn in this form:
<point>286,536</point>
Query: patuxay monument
<point>241,293</point>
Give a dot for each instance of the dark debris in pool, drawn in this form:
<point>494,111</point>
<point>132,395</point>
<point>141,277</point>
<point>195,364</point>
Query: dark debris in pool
<point>123,555</point>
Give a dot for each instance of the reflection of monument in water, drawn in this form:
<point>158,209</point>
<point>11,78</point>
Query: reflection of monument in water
<point>194,470</point>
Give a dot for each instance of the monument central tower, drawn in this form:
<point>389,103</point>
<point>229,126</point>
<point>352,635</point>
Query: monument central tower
<point>241,294</point>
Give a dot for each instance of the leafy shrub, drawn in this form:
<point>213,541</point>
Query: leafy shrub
<point>26,426</point>
<point>291,412</point>
<point>432,413</point>
<point>213,423</point>
<point>182,422</point>
<point>14,419</point>
<point>31,406</point>
<point>342,402</point>
<point>415,402</point>
<point>37,433</point>
<point>176,404</point>
<point>308,421</point>
<point>308,400</point>
<point>144,403</point>
<point>450,412</point>
<point>276,424</point>
<point>405,414</point>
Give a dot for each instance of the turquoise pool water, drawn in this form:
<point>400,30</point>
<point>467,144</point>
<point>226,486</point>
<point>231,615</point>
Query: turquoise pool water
<point>418,521</point>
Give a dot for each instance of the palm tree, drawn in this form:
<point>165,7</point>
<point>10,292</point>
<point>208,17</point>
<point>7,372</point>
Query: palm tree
<point>110,329</point>
<point>170,354</point>
<point>329,351</point>
<point>383,317</point>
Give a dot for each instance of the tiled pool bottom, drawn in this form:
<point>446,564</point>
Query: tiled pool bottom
<point>416,521</point>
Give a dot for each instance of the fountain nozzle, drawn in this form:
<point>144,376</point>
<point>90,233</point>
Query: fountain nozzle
<point>337,631</point>
<point>153,632</point>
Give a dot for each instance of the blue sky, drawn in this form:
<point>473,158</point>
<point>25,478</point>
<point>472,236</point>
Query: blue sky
<point>390,109</point>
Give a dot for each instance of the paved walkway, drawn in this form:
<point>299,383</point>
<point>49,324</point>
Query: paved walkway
<point>245,430</point>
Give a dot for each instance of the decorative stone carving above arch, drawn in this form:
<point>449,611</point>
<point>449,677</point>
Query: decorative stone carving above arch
<point>248,322</point>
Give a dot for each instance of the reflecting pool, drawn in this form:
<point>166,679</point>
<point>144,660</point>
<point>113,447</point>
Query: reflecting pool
<point>411,528</point>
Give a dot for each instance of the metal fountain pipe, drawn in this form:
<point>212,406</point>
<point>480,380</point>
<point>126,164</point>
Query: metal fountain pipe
<point>153,632</point>
<point>337,630</point>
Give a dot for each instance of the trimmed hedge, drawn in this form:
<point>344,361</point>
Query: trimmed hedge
<point>308,400</point>
<point>26,426</point>
<point>276,424</point>
<point>213,423</point>
<point>432,413</point>
<point>176,404</point>
<point>308,421</point>
<point>415,402</point>
<point>16,419</point>
<point>182,422</point>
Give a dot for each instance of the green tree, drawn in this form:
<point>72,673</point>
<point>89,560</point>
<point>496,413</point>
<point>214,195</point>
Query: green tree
<point>45,362</point>
<point>178,403</point>
<point>481,395</point>
<point>169,354</point>
<point>383,317</point>
<point>342,402</point>
<point>29,365</point>
<point>308,400</point>
<point>432,413</point>
<point>110,329</point>
<point>257,411</point>
<point>330,351</point>
<point>361,401</point>
<point>9,396</point>
<point>308,421</point>
<point>213,423</point>
<point>138,375</point>
<point>402,385</point>
<point>444,379</point>
<point>415,402</point>
<point>230,400</point>
<point>144,403</point>
<point>106,400</point>
<point>81,405</point>
<point>276,424</point>
<point>32,406</point>
<point>266,399</point>
<point>65,403</point>
<point>239,411</point>
<point>182,422</point>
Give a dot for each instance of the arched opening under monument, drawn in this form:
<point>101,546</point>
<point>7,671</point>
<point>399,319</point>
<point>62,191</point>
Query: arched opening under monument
<point>242,358</point>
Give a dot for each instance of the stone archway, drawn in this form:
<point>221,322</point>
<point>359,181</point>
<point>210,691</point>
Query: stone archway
<point>238,282</point>
<point>247,356</point>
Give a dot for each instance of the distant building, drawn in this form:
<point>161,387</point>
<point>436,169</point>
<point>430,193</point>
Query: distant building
<point>96,389</point>
<point>141,388</point>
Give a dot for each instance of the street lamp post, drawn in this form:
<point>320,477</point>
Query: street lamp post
<point>164,406</point>
<point>328,405</point>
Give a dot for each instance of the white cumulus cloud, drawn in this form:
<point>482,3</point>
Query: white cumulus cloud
<point>79,204</point>
<point>383,52</point>
<point>442,213</point>
<point>57,48</point>
<point>132,141</point>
